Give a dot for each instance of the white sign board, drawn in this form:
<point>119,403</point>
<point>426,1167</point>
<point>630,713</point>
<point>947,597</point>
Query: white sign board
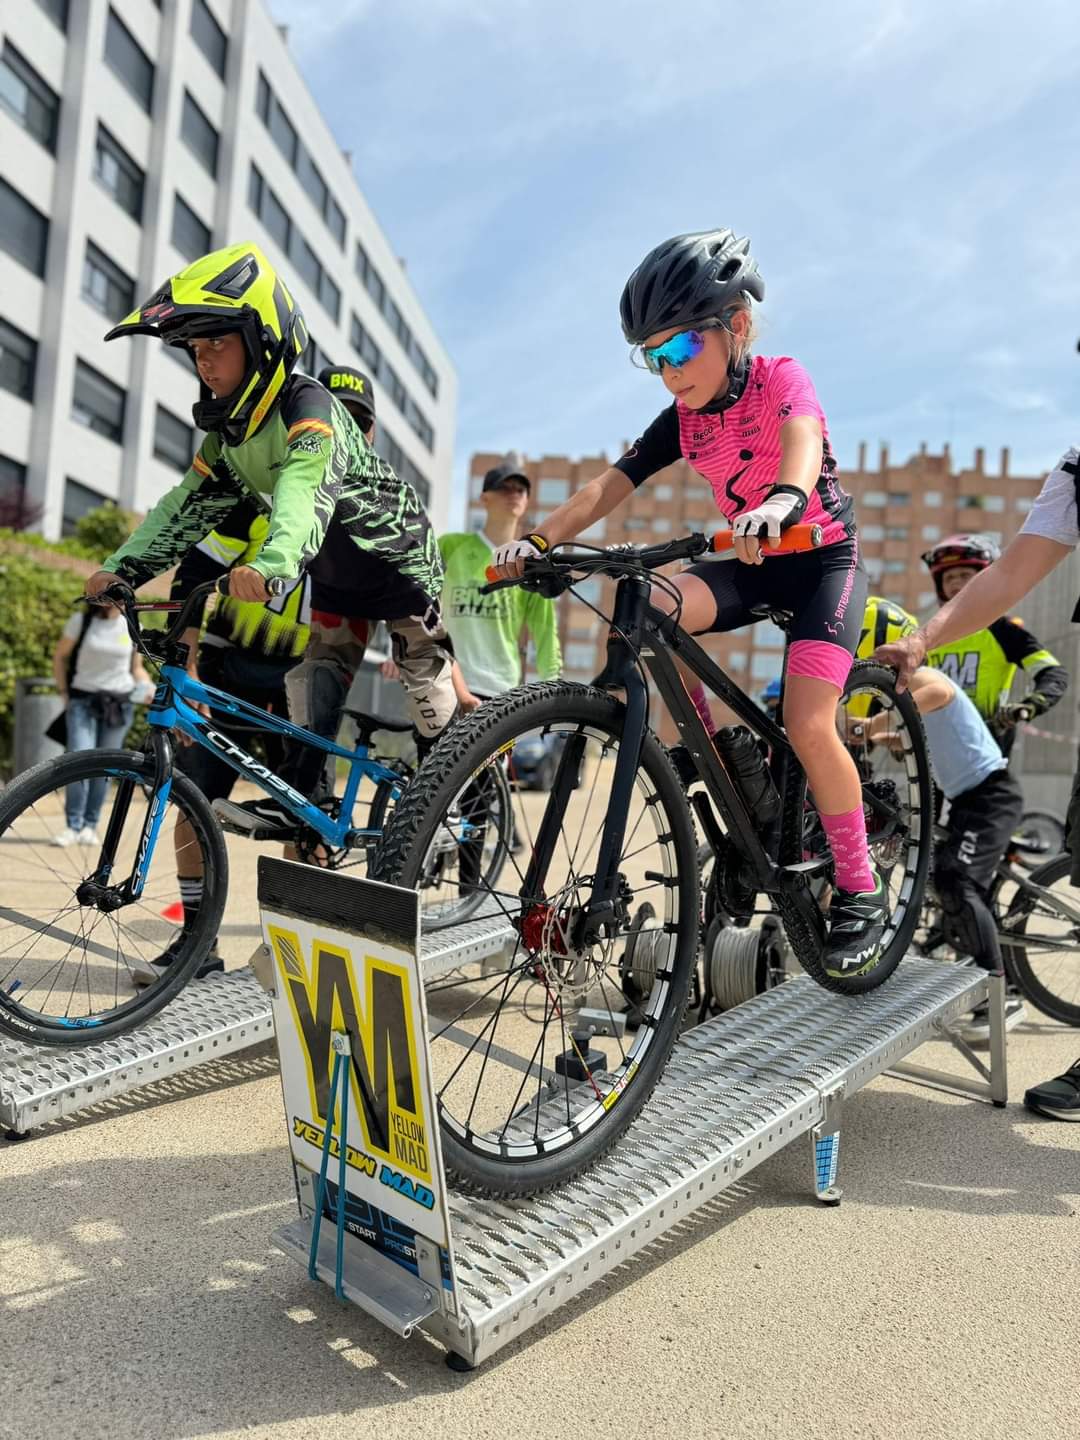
<point>346,957</point>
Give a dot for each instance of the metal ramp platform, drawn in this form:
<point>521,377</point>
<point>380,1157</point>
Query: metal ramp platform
<point>736,1090</point>
<point>209,1019</point>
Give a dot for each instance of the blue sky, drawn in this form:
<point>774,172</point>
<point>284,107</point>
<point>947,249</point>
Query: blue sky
<point>908,172</point>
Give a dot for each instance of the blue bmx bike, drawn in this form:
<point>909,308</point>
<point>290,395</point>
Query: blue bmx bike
<point>79,922</point>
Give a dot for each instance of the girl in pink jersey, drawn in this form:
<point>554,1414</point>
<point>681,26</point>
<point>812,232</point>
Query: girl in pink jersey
<point>753,427</point>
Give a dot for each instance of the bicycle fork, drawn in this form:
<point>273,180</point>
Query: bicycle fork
<point>96,890</point>
<point>621,672</point>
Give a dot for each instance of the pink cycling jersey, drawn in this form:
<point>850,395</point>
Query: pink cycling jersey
<point>738,449</point>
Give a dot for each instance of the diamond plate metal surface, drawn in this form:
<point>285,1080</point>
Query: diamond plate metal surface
<point>208,1019</point>
<point>736,1089</point>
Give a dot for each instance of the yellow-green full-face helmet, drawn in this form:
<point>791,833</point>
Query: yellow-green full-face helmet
<point>883,622</point>
<point>235,290</point>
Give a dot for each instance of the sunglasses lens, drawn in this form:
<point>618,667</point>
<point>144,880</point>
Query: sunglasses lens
<point>675,352</point>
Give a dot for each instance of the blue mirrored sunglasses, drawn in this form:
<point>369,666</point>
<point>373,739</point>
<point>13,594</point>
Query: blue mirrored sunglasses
<point>674,352</point>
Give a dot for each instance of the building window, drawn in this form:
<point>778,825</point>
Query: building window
<point>79,500</point>
<point>895,567</point>
<point>199,135</point>
<point>129,61</point>
<point>899,497</point>
<point>262,98</point>
<point>119,174</point>
<point>24,231</point>
<point>764,666</point>
<point>896,532</point>
<point>1024,504</point>
<point>18,361</point>
<point>927,597</point>
<point>370,276</point>
<point>26,96</point>
<point>931,532</point>
<point>282,131</point>
<point>314,358</point>
<point>307,172</point>
<point>769,635</point>
<point>992,503</point>
<point>270,210</point>
<point>661,525</point>
<point>871,532</point>
<point>190,236</point>
<point>931,498</point>
<point>330,295</point>
<point>365,347</point>
<point>335,220</point>
<point>874,566</point>
<point>209,36</point>
<point>307,263</point>
<point>97,402</point>
<point>57,11</point>
<point>174,442</point>
<point>105,285</point>
<point>552,491</point>
<point>736,660</point>
<point>873,499</point>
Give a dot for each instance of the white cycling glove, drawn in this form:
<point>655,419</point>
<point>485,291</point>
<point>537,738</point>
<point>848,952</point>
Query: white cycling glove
<point>781,507</point>
<point>513,556</point>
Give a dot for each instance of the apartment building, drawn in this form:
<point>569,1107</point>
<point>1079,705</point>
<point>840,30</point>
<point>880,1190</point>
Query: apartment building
<point>135,135</point>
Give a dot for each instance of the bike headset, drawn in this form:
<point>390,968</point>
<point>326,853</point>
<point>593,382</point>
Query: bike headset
<point>976,552</point>
<point>230,291</point>
<point>693,280</point>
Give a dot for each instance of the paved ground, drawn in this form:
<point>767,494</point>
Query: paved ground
<point>140,1296</point>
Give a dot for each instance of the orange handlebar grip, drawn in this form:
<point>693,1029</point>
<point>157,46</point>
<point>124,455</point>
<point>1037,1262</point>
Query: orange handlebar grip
<point>798,537</point>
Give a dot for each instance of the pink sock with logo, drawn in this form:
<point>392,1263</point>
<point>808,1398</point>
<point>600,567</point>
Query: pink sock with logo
<point>847,841</point>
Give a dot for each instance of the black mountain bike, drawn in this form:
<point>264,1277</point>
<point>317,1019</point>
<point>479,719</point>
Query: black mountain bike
<point>1037,915</point>
<point>530,1088</point>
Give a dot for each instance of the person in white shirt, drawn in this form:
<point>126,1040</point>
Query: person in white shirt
<point>97,671</point>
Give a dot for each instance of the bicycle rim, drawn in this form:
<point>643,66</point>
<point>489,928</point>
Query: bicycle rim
<point>528,1092</point>
<point>1042,948</point>
<point>67,967</point>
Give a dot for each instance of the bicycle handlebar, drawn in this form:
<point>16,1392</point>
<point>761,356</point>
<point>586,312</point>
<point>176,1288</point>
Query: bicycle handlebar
<point>120,594</point>
<point>619,559</point>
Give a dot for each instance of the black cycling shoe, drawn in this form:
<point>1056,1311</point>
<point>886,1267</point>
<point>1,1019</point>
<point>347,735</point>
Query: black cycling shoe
<point>212,965</point>
<point>1060,1098</point>
<point>857,921</point>
<point>265,819</point>
<point>685,768</point>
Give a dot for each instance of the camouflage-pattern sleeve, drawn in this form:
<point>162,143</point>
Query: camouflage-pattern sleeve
<point>308,484</point>
<point>180,519</point>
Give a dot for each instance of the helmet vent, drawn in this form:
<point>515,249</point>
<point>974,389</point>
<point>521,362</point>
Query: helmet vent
<point>235,281</point>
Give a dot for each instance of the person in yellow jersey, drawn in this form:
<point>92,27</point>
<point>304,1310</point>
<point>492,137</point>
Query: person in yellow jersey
<point>984,665</point>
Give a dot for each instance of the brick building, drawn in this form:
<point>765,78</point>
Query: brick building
<point>902,510</point>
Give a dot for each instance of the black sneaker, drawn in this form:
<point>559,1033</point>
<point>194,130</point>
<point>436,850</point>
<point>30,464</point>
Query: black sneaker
<point>1060,1098</point>
<point>265,819</point>
<point>857,920</point>
<point>212,965</point>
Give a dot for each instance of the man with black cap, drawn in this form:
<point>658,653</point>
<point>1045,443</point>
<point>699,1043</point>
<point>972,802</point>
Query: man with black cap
<point>356,393</point>
<point>486,629</point>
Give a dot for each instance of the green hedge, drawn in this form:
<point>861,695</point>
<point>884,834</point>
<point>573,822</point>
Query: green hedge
<point>36,600</point>
<point>35,604</point>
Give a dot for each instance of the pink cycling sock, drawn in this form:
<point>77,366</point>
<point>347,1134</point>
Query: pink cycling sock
<point>701,705</point>
<point>847,841</point>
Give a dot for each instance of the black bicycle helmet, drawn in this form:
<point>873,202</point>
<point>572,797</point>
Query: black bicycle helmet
<point>687,280</point>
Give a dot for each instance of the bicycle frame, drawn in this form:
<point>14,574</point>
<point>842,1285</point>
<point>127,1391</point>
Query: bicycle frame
<point>640,630</point>
<point>170,710</point>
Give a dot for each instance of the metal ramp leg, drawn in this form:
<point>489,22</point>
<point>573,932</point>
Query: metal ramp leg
<point>994,1087</point>
<point>825,1146</point>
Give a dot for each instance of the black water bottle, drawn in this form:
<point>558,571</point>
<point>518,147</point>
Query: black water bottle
<point>742,754</point>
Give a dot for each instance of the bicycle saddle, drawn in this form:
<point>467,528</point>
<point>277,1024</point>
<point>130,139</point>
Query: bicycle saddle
<point>366,724</point>
<point>782,619</point>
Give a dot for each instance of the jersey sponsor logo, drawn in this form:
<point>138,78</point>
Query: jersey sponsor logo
<point>783,411</point>
<point>963,670</point>
<point>729,484</point>
<point>308,444</point>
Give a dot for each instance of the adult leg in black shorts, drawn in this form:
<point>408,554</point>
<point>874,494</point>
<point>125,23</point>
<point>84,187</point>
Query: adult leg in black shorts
<point>978,830</point>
